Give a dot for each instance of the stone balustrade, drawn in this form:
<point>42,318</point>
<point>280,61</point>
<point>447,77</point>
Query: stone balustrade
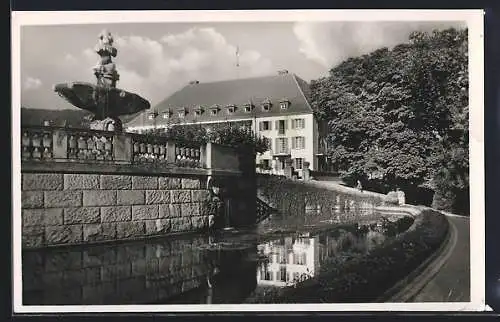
<point>93,146</point>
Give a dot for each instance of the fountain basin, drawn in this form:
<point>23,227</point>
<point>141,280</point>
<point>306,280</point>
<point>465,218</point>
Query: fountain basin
<point>101,101</point>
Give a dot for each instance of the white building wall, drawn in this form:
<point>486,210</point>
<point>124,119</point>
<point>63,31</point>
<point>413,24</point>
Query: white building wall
<point>309,132</point>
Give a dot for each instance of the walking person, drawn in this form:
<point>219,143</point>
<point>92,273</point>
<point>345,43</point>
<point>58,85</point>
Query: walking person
<point>359,186</point>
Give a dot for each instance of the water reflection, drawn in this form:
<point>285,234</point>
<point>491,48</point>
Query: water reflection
<point>290,259</point>
<point>193,269</point>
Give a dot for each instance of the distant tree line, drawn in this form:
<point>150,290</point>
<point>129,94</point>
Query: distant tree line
<point>399,118</point>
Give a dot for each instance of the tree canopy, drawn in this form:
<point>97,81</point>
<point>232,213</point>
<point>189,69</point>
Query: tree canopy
<point>399,117</point>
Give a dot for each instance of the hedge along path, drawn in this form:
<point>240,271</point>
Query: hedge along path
<point>292,197</point>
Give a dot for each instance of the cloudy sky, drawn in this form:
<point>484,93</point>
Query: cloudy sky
<point>154,60</point>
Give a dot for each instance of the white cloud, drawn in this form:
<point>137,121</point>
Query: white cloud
<point>32,83</point>
<point>329,43</point>
<point>155,69</point>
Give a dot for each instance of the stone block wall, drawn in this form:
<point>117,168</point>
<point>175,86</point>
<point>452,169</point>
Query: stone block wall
<point>66,208</point>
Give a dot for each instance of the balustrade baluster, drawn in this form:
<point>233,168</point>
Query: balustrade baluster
<point>162,151</point>
<point>90,148</point>
<point>26,146</point>
<point>108,147</point>
<point>150,152</point>
<point>47,144</point>
<point>178,153</point>
<point>82,148</point>
<point>156,151</point>
<point>99,144</point>
<point>36,143</point>
<point>72,147</point>
<point>183,153</point>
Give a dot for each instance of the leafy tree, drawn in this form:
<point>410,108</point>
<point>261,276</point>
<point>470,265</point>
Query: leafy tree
<point>399,117</point>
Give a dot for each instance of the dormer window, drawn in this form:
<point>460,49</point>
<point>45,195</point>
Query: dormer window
<point>181,112</point>
<point>266,105</point>
<point>152,115</point>
<point>248,107</point>
<point>214,109</point>
<point>230,109</point>
<point>284,103</point>
<point>166,115</point>
<point>198,111</point>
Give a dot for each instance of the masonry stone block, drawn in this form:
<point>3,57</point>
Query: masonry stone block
<point>158,226</point>
<point>118,182</point>
<point>116,213</point>
<point>130,229</point>
<point>65,234</point>
<point>99,198</point>
<point>170,210</point>
<point>82,215</point>
<point>144,183</point>
<point>42,181</point>
<point>157,197</point>
<point>33,236</point>
<point>130,197</point>
<point>180,196</point>
<point>99,232</point>
<point>32,199</point>
<point>81,181</point>
<point>190,209</point>
<point>200,195</point>
<point>41,217</point>
<point>199,222</point>
<point>58,199</point>
<point>188,183</point>
<point>180,224</point>
<point>169,183</point>
<point>145,212</point>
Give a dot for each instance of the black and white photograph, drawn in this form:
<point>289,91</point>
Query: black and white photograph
<point>218,161</point>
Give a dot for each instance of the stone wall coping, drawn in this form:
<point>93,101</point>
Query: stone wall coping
<point>150,169</point>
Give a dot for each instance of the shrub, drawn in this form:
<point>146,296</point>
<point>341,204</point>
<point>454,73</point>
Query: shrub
<point>365,278</point>
<point>226,134</point>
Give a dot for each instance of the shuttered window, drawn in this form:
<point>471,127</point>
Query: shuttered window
<point>298,142</point>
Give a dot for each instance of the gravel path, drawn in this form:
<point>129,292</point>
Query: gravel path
<point>452,282</point>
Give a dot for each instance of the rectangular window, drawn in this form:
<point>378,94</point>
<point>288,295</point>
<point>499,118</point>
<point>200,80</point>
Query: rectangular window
<point>282,145</point>
<point>299,259</point>
<point>266,163</point>
<point>281,126</point>
<point>282,272</point>
<point>298,142</point>
<point>298,123</point>
<point>265,126</point>
<point>299,163</point>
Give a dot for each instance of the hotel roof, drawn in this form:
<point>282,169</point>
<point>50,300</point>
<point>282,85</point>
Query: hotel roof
<point>196,101</point>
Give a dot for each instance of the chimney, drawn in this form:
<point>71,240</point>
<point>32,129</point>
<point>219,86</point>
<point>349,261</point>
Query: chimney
<point>282,72</point>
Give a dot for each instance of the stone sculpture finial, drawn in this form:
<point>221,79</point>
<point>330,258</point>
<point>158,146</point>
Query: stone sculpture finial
<point>105,70</point>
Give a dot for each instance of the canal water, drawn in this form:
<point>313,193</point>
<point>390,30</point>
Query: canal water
<point>227,267</point>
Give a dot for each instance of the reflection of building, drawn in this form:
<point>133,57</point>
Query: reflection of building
<point>290,259</point>
<point>276,107</point>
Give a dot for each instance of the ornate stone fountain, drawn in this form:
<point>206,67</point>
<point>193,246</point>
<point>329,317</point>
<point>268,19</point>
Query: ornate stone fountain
<point>103,99</point>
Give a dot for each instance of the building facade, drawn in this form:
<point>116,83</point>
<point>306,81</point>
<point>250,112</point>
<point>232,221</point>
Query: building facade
<point>276,107</point>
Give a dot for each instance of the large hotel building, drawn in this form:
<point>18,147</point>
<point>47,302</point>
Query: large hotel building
<point>277,107</point>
